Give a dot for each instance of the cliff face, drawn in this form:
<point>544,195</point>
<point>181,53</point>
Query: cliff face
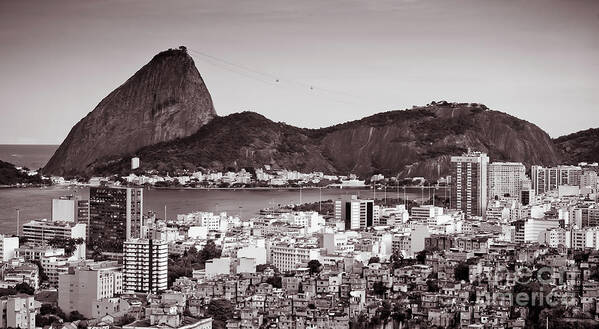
<point>416,142</point>
<point>582,146</point>
<point>165,100</point>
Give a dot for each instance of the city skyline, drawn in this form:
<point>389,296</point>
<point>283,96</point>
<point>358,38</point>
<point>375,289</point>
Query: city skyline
<point>534,59</point>
<point>248,164</point>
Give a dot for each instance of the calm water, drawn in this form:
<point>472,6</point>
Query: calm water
<point>30,156</point>
<point>35,203</point>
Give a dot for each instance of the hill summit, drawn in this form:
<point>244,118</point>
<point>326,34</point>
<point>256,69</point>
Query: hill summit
<point>165,100</point>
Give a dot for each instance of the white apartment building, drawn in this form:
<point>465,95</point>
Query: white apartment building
<point>218,266</point>
<point>37,252</point>
<point>533,228</point>
<point>555,237</point>
<point>43,230</point>
<point>336,242</point>
<point>311,221</point>
<point>214,222</point>
<point>80,288</point>
<point>64,210</point>
<point>40,231</point>
<point>145,265</point>
<point>18,273</point>
<point>54,266</point>
<point>289,256</point>
<point>423,213</point>
<point>505,178</point>
<point>18,311</point>
<point>8,247</point>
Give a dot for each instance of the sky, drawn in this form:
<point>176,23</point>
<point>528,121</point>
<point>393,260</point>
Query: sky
<point>335,60</point>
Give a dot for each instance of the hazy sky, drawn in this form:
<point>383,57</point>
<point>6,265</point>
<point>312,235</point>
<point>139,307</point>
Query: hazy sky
<point>535,59</point>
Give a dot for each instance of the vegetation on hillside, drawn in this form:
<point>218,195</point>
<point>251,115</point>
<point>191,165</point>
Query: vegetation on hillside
<point>10,175</point>
<point>582,146</point>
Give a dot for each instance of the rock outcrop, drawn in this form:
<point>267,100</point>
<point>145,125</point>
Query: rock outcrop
<point>165,100</point>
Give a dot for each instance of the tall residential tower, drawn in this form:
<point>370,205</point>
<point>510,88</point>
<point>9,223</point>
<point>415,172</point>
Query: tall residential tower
<point>469,183</point>
<point>115,215</point>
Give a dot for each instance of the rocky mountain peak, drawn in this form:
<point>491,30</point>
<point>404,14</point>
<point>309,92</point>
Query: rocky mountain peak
<point>165,100</point>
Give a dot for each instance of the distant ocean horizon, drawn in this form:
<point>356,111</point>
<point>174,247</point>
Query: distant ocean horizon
<point>32,156</point>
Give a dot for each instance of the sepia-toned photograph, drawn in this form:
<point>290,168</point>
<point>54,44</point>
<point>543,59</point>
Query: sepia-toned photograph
<point>314,164</point>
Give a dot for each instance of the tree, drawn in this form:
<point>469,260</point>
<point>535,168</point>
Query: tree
<point>220,310</point>
<point>314,266</point>
<point>25,288</point>
<point>374,259</point>
<point>42,274</point>
<point>421,256</point>
<point>69,244</point>
<point>191,260</point>
<point>126,319</point>
<point>379,288</point>
<point>210,251</point>
<point>275,281</point>
<point>263,267</point>
<point>461,272</point>
<point>432,286</point>
<point>75,315</point>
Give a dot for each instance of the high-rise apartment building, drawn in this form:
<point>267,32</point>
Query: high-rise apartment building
<point>549,179</point>
<point>505,179</point>
<point>145,264</point>
<point>527,193</point>
<point>469,183</point>
<point>115,215</point>
<point>70,209</point>
<point>355,213</point>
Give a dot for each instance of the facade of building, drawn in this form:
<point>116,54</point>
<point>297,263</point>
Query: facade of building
<point>145,264</point>
<point>549,179</point>
<point>115,215</point>
<point>469,177</point>
<point>64,209</point>
<point>287,256</point>
<point>355,213</point>
<point>80,288</point>
<point>423,213</point>
<point>8,247</point>
<point>18,311</point>
<point>505,179</point>
<point>41,231</point>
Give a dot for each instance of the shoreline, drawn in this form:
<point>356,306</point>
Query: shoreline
<point>257,188</point>
<point>389,189</point>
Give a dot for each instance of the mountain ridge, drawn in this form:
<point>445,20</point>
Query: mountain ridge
<point>164,114</point>
<point>414,142</point>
